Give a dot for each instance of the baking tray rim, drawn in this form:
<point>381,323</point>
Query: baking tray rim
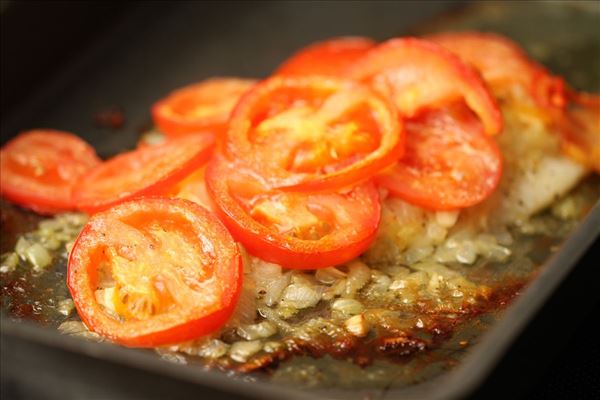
<point>457,383</point>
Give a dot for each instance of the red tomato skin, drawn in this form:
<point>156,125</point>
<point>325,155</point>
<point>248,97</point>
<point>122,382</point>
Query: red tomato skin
<point>44,200</point>
<point>174,124</point>
<point>80,275</point>
<point>237,145</point>
<point>287,255</point>
<point>412,180</point>
<point>270,246</point>
<point>160,183</point>
<point>453,78</point>
<point>326,58</point>
<point>503,62</point>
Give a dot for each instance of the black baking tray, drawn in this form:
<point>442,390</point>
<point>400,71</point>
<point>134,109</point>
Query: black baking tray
<point>136,54</point>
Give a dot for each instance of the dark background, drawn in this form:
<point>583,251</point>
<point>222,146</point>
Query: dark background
<point>55,54</point>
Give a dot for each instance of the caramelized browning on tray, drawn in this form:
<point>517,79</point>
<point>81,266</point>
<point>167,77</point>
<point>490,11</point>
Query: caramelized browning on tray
<point>429,331</point>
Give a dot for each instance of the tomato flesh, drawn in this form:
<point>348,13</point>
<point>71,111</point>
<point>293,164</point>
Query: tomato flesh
<point>154,271</point>
<point>293,229</point>
<point>327,58</point>
<point>314,133</point>
<point>193,188</point>
<point>152,170</point>
<point>417,75</point>
<point>502,63</point>
<point>449,163</point>
<point>200,107</point>
<point>41,167</point>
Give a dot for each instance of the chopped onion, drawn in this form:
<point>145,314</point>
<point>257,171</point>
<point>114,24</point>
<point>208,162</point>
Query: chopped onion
<point>417,253</point>
<point>357,325</point>
<point>436,233</point>
<point>275,289</point>
<point>261,330</point>
<point>38,256</point>
<point>497,253</point>
<point>272,315</point>
<point>270,281</point>
<point>359,275</point>
<point>171,357</point>
<point>381,282</point>
<point>9,262</point>
<point>436,282</point>
<point>213,348</point>
<point>446,219</point>
<point>264,272</point>
<point>65,307</point>
<point>40,246</point>
<point>300,296</point>
<point>241,351</point>
<point>433,267</point>
<point>398,284</point>
<point>396,271</point>
<point>21,248</point>
<point>271,347</point>
<point>346,307</point>
<point>51,243</point>
<point>444,254</point>
<point>335,290</point>
<point>466,253</point>
<point>329,275</point>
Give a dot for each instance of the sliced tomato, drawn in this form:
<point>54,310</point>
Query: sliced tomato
<point>579,126</point>
<point>151,170</point>
<point>330,57</point>
<point>314,133</point>
<point>154,271</point>
<point>449,163</point>
<point>193,188</point>
<point>295,230</point>
<point>201,107</point>
<point>39,169</point>
<point>502,63</point>
<point>418,75</point>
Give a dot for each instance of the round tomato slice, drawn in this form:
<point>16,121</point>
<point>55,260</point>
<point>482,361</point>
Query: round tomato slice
<point>296,230</point>
<point>201,107</point>
<point>417,74</point>
<point>502,63</point>
<point>330,57</point>
<point>151,170</point>
<point>449,163</point>
<point>39,169</point>
<point>314,133</point>
<point>154,271</point>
